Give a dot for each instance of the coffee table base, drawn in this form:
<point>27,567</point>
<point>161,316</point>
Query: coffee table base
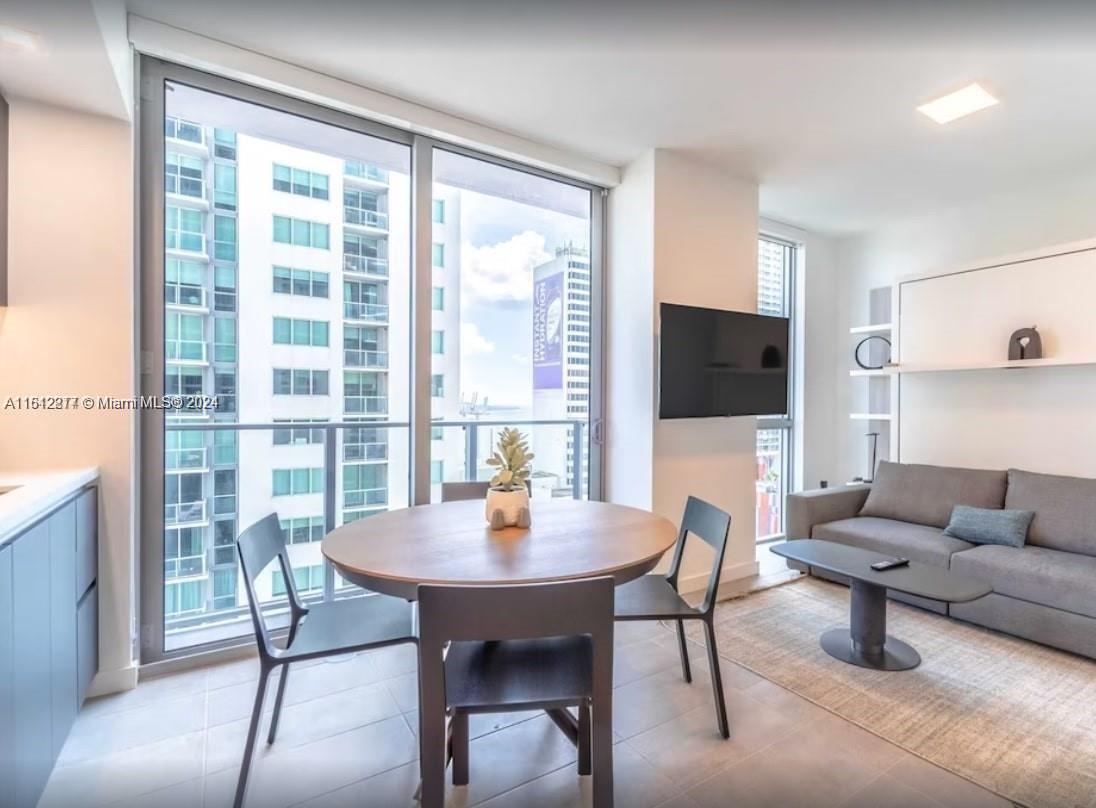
<point>895,656</point>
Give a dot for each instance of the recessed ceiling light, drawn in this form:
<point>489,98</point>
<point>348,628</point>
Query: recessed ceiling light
<point>17,39</point>
<point>962,102</point>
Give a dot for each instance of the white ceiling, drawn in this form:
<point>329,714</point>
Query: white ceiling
<point>814,101</point>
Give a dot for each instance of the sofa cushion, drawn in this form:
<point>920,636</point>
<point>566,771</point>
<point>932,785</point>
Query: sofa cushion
<point>927,545</point>
<point>1065,509</point>
<point>1036,574</point>
<point>926,494</point>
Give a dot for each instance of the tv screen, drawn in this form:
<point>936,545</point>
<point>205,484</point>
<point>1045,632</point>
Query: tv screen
<point>717,363</point>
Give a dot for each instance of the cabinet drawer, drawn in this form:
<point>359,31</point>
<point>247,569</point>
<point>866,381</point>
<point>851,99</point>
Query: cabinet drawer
<point>87,529</point>
<point>87,641</point>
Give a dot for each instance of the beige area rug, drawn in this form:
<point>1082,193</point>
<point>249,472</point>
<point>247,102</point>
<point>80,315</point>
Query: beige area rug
<point>1014,717</point>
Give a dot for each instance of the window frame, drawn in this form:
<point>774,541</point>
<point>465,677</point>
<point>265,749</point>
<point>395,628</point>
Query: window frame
<point>153,73</point>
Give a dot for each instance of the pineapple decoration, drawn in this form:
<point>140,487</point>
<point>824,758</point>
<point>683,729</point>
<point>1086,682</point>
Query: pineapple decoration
<point>508,495</point>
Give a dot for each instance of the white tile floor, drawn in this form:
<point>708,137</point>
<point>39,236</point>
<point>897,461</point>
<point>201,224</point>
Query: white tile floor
<point>347,738</point>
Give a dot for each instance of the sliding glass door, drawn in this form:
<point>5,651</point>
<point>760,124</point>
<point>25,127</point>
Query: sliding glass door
<point>287,291</point>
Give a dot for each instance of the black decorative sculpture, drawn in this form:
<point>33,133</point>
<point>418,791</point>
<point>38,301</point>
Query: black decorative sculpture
<point>1025,343</point>
<point>869,365</point>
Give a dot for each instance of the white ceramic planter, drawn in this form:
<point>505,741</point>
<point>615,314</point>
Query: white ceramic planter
<point>509,502</point>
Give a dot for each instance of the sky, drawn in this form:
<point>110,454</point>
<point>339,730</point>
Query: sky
<point>501,242</point>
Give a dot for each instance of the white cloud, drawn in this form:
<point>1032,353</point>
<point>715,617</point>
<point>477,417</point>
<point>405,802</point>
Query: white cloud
<point>502,272</point>
<point>473,342</point>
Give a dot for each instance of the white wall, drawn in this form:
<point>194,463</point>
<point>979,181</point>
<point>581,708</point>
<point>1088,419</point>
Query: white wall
<point>679,232</point>
<point>68,330</point>
<point>1040,216</point>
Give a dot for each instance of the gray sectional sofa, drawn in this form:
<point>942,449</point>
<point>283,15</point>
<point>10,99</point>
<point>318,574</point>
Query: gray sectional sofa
<point>1044,591</point>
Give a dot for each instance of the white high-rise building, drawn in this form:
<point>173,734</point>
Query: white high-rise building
<point>561,370</point>
<point>288,296</point>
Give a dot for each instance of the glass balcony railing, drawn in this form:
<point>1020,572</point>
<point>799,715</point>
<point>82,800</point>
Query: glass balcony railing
<point>365,171</point>
<point>184,294</point>
<point>366,218</point>
<point>185,567</point>
<point>184,513</point>
<point>184,130</point>
<point>365,265</point>
<point>185,241</point>
<point>185,351</point>
<point>375,360</point>
<point>367,312</point>
<point>365,405</point>
<point>186,459</point>
<point>365,498</point>
<point>353,452</point>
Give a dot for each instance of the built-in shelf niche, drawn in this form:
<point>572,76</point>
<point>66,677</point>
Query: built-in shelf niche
<point>872,396</point>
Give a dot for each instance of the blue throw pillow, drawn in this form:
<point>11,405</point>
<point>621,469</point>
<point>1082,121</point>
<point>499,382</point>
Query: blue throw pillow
<point>989,525</point>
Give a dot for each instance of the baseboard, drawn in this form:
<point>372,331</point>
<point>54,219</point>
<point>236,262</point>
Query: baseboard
<point>698,583</point>
<point>116,681</point>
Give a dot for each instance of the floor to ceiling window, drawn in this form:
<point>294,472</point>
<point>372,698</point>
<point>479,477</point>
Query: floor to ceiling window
<point>776,260</point>
<point>278,262</point>
<point>512,311</point>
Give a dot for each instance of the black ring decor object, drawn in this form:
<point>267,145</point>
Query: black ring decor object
<point>859,345</point>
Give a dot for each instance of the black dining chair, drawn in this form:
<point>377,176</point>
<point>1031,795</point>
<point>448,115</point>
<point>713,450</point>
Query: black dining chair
<point>318,630</point>
<point>655,597</point>
<point>491,649</point>
<point>454,492</point>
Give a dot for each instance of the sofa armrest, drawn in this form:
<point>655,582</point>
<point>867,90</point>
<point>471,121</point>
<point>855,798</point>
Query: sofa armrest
<point>809,508</point>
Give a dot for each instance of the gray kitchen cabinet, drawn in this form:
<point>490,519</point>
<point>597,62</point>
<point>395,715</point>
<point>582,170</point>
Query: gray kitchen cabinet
<point>49,642</point>
<point>33,722</point>
<point>7,683</point>
<point>62,631</point>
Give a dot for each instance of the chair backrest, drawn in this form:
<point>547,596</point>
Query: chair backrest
<point>711,525</point>
<point>257,546</point>
<point>453,492</point>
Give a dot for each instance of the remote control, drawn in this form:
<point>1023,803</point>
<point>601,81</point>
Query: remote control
<point>880,566</point>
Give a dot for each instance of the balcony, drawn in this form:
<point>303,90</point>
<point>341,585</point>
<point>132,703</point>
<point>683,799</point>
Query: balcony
<point>185,514</point>
<point>357,452</point>
<point>178,460</point>
<point>186,352</point>
<point>184,295</point>
<point>191,244</point>
<point>370,360</point>
<point>365,498</point>
<point>365,405</point>
<point>365,218</point>
<point>185,136</point>
<point>185,567</point>
<point>366,312</point>
<point>366,173</point>
<point>365,265</point>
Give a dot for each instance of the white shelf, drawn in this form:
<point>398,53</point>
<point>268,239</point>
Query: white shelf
<point>870,416</point>
<point>1003,364</point>
<point>861,372</point>
<point>874,328</point>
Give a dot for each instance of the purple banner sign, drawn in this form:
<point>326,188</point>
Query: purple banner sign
<point>548,333</point>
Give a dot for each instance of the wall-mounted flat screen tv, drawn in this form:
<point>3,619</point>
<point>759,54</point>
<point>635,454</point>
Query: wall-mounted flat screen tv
<point>718,363</point>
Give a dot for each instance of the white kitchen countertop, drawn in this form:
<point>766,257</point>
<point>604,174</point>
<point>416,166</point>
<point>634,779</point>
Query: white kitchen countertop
<point>35,494</point>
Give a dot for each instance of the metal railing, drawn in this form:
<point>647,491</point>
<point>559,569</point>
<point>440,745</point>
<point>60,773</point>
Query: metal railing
<point>368,312</point>
<point>365,265</point>
<point>177,514</point>
<point>359,358</point>
<point>365,218</point>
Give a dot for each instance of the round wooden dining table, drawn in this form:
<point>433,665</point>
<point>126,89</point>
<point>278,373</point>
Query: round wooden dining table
<point>451,543</point>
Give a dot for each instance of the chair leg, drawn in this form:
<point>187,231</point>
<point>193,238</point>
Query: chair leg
<point>717,681</point>
<point>459,741</point>
<point>278,705</point>
<point>253,730</point>
<point>602,743</point>
<point>683,647</point>
<point>584,738</point>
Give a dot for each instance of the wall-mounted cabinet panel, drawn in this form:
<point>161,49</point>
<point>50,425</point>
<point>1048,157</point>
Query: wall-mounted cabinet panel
<point>87,557</point>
